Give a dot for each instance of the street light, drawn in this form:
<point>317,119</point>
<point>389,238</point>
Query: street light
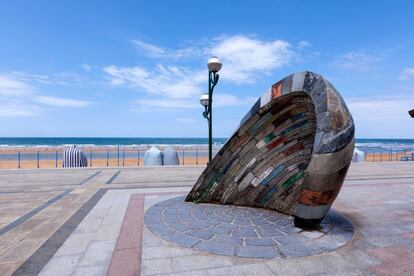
<point>204,101</point>
<point>213,65</point>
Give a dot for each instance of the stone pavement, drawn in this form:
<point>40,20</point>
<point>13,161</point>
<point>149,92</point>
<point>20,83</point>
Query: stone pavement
<point>243,231</point>
<point>91,222</point>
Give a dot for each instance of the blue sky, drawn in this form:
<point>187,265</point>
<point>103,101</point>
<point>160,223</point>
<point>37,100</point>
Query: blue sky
<point>137,68</point>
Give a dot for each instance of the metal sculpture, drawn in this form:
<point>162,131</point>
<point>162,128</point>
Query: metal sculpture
<point>291,152</point>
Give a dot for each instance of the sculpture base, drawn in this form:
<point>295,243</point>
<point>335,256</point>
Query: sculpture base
<point>243,231</point>
<point>307,223</point>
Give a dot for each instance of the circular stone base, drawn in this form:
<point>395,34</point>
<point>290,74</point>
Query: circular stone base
<point>243,231</point>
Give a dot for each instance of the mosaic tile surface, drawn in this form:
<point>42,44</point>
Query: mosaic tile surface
<point>290,153</point>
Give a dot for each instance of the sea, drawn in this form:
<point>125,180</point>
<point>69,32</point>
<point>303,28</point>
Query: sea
<point>5,142</point>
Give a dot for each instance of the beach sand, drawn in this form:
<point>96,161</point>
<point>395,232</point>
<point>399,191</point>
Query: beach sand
<point>386,157</point>
<point>193,155</point>
<point>189,157</point>
<point>48,164</point>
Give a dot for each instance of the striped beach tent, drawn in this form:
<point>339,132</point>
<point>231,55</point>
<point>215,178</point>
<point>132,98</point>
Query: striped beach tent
<point>73,157</point>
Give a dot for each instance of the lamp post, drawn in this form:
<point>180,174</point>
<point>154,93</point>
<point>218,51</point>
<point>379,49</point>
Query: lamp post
<point>206,99</point>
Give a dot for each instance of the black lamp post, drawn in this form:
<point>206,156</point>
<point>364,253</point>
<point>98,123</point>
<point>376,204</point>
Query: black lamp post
<point>213,65</point>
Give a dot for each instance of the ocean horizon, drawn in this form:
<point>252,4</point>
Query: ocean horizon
<point>361,143</point>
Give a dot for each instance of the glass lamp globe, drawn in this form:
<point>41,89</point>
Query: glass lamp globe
<point>214,64</point>
<point>204,99</point>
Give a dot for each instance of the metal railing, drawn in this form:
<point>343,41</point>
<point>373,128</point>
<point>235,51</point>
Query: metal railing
<point>392,155</point>
<point>134,157</point>
<point>102,157</point>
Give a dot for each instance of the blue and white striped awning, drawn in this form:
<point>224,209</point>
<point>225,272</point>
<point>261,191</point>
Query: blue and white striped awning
<point>73,157</point>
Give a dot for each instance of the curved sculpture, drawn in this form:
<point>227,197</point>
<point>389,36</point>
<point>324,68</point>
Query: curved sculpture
<point>291,152</point>
<point>73,157</point>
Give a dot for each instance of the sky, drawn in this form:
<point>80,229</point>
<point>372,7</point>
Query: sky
<point>137,68</point>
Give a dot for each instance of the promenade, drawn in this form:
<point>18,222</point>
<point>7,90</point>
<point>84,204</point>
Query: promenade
<point>91,222</point>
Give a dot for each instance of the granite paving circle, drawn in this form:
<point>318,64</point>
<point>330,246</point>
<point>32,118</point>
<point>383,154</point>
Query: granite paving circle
<point>243,231</point>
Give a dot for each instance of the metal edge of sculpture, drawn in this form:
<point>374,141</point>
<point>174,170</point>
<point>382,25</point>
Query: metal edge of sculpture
<point>290,153</point>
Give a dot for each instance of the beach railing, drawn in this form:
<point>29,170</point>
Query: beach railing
<point>391,155</point>
<point>43,158</point>
<point>123,156</point>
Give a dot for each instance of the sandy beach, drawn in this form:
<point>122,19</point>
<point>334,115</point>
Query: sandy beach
<point>192,156</point>
<point>101,156</point>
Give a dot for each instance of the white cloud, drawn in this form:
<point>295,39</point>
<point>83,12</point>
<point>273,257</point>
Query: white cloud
<point>185,120</point>
<point>62,102</point>
<point>169,81</point>
<point>231,100</point>
<point>245,58</point>
<point>220,100</point>
<point>10,86</point>
<point>407,73</point>
<point>86,67</point>
<point>384,117</point>
<point>360,60</point>
<point>155,51</point>
<point>166,103</point>
<point>304,44</point>
<point>16,110</point>
<point>20,97</point>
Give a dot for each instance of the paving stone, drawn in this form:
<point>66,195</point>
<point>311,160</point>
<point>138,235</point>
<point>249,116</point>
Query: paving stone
<point>242,222</point>
<point>220,230</point>
<point>170,219</point>
<point>206,235</point>
<point>182,239</point>
<point>248,227</point>
<point>341,233</point>
<point>299,250</point>
<point>180,227</point>
<point>198,262</point>
<point>291,230</point>
<point>98,253</point>
<point>90,271</point>
<point>156,266</point>
<point>270,233</point>
<point>328,243</point>
<point>216,248</point>
<point>260,241</point>
<point>198,225</point>
<point>227,239</point>
<point>242,270</point>
<point>244,233</point>
<point>289,239</point>
<point>311,234</point>
<point>265,237</point>
<point>257,252</point>
<point>160,252</point>
<point>160,229</point>
<point>61,265</point>
<point>229,226</point>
